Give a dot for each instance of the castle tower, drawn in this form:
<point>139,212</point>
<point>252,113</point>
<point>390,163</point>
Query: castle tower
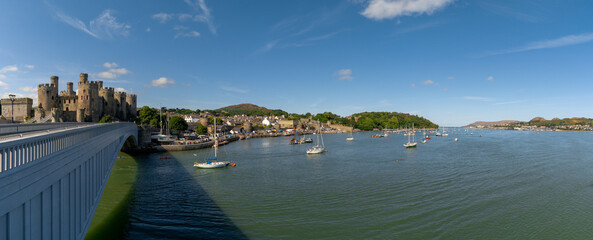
<point>120,105</point>
<point>47,94</point>
<point>84,78</point>
<point>69,89</point>
<point>131,107</point>
<point>54,81</point>
<point>88,99</point>
<point>108,102</point>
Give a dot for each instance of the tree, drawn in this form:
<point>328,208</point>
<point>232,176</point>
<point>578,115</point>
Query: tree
<point>201,129</point>
<point>155,123</point>
<point>177,123</point>
<point>106,119</point>
<point>146,114</point>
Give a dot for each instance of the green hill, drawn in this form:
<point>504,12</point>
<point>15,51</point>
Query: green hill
<point>251,110</point>
<point>390,120</point>
<point>540,121</point>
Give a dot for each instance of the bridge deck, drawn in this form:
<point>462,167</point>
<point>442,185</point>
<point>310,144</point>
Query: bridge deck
<point>51,180</point>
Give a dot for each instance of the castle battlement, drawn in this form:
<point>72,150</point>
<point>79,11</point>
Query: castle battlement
<point>92,101</point>
<point>108,90</point>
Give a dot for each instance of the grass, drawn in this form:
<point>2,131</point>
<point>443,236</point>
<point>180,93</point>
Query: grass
<point>111,216</point>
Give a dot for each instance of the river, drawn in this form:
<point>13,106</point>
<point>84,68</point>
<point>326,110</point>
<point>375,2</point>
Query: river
<point>502,185</point>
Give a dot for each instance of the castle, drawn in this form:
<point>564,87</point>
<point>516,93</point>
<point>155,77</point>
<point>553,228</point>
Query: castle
<point>92,102</point>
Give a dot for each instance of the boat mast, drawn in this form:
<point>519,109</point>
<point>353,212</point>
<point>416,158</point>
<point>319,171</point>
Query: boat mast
<point>161,118</point>
<point>215,139</point>
<point>413,133</point>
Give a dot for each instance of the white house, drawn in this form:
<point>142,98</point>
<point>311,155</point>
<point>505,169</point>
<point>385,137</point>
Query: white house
<point>191,119</point>
<point>265,122</point>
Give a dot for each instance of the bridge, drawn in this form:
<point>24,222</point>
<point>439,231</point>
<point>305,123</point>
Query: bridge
<point>52,176</point>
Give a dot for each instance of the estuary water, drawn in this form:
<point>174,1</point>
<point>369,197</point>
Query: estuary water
<point>503,185</point>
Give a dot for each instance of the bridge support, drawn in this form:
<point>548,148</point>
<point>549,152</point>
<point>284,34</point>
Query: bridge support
<point>50,185</point>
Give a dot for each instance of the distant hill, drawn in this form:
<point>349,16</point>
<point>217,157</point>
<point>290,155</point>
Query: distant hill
<point>540,121</point>
<point>251,110</point>
<point>390,120</point>
<point>492,124</point>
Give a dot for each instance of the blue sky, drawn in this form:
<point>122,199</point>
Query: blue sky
<point>451,61</point>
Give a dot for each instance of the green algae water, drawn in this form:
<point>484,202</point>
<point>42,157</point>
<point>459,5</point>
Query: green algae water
<point>503,185</point>
<point>111,216</point>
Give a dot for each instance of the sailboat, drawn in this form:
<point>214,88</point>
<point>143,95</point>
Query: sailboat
<point>317,148</point>
<point>413,143</point>
<point>211,162</point>
<point>295,139</point>
<point>350,138</point>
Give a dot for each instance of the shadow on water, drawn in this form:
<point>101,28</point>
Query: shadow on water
<point>170,204</point>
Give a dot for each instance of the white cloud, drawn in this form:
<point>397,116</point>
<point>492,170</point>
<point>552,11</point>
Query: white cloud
<point>105,26</point>
<point>162,82</point>
<point>344,74</point>
<point>184,17</point>
<point>29,66</point>
<point>413,85</point>
<point>204,13</point>
<point>388,9</point>
<point>147,29</point>
<point>113,72</point>
<point>2,76</point>
<point>429,82</point>
<point>451,78</point>
<point>9,68</point>
<point>483,99</point>
<point>3,85</point>
<point>110,65</point>
<point>28,89</point>
<point>120,90</point>
<point>108,75</point>
<point>554,43</point>
<point>162,17</point>
<point>187,34</point>
<point>490,78</point>
<point>119,71</point>
<point>233,89</point>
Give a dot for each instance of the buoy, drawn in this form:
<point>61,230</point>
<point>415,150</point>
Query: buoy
<point>388,139</point>
<point>402,159</point>
<point>325,150</point>
<point>234,165</point>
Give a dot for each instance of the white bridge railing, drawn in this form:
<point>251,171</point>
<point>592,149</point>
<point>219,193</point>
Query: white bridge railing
<point>28,127</point>
<point>51,184</point>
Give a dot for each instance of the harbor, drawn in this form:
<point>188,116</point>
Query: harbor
<point>531,187</point>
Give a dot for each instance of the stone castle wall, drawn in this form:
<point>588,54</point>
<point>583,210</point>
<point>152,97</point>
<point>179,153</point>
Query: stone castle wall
<point>22,108</point>
<point>90,103</point>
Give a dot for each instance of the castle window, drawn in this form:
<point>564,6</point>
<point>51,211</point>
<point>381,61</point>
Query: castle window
<point>67,109</point>
<point>52,97</point>
<point>84,90</point>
